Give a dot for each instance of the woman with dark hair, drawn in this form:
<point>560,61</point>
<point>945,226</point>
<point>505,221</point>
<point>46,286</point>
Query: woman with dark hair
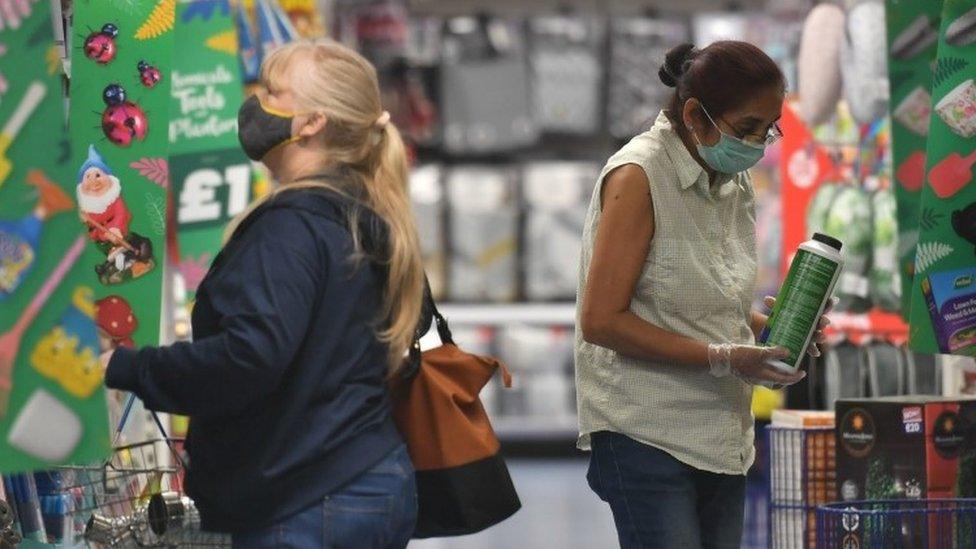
<point>666,354</point>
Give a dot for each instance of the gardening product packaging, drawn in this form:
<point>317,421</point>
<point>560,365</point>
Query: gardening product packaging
<point>909,447</point>
<point>951,300</point>
<point>904,448</point>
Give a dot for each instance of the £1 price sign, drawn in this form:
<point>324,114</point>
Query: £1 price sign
<point>210,188</point>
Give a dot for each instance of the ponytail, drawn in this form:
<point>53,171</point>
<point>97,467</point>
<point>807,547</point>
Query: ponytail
<point>387,191</point>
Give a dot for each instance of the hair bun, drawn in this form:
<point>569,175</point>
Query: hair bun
<point>675,64</point>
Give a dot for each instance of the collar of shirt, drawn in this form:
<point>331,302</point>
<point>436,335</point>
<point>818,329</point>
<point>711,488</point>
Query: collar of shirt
<point>690,173</point>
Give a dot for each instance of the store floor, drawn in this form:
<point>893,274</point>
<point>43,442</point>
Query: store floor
<point>558,511</point>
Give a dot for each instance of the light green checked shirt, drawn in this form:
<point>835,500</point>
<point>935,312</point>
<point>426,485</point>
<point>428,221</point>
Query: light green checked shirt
<point>698,281</point>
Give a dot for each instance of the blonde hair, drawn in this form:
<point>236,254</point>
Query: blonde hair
<point>341,84</point>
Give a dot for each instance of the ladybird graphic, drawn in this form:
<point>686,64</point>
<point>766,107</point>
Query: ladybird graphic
<point>123,121</point>
<point>148,74</point>
<point>100,45</point>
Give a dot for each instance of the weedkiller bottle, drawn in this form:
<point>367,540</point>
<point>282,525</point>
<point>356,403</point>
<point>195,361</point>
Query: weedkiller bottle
<point>802,299</point>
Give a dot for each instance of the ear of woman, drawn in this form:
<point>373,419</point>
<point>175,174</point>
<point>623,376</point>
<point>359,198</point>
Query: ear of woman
<point>311,124</point>
<point>697,124</point>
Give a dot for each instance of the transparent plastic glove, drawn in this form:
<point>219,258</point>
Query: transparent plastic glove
<point>818,337</point>
<point>748,363</point>
<point>13,12</point>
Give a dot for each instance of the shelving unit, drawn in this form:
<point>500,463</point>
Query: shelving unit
<point>536,430</point>
<point>504,314</point>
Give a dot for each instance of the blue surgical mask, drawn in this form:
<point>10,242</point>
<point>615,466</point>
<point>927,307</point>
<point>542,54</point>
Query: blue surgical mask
<point>731,154</point>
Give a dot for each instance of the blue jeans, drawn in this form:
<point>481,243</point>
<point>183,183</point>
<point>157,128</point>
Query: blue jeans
<point>377,510</point>
<point>659,502</point>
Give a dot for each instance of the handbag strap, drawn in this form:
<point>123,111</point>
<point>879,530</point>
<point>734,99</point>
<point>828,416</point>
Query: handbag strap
<point>412,364</point>
<point>443,330</point>
<point>429,311</point>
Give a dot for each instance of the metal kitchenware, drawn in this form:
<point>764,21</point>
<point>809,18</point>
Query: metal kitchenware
<point>110,531</point>
<point>171,512</point>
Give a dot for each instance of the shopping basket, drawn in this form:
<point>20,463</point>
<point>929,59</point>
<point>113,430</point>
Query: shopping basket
<point>135,499</point>
<point>898,524</point>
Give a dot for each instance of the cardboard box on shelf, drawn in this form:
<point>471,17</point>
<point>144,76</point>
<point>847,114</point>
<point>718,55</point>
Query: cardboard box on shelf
<point>906,447</point>
<point>804,419</point>
<point>913,447</point>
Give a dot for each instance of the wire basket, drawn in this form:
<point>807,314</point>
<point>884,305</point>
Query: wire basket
<point>898,524</point>
<point>802,475</point>
<point>134,500</point>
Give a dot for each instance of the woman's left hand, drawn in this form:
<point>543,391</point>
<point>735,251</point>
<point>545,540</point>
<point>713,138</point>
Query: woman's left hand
<point>818,336</point>
<point>105,359</point>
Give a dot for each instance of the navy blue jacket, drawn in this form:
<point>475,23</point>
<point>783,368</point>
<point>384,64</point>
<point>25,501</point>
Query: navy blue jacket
<point>284,382</point>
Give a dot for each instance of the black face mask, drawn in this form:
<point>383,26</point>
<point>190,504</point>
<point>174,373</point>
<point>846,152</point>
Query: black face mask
<point>260,129</point>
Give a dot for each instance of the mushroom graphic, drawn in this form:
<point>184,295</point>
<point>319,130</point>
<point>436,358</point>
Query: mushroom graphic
<point>116,322</point>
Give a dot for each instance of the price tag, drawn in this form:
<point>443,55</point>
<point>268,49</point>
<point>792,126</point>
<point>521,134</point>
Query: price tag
<point>210,188</point>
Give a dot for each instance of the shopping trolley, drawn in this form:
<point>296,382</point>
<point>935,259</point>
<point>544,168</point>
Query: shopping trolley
<point>898,524</point>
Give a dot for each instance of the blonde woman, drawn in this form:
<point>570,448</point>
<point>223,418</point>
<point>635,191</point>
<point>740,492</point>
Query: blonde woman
<point>311,303</point>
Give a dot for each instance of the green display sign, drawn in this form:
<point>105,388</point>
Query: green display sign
<point>943,313</point>
<point>211,175</point>
<point>212,188</point>
<point>52,405</point>
<point>913,31</point>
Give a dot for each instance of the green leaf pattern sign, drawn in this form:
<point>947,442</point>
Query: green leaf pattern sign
<point>943,312</point>
<point>913,27</point>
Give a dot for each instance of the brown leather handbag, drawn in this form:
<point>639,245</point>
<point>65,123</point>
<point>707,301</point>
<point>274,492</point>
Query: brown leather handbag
<point>463,484</point>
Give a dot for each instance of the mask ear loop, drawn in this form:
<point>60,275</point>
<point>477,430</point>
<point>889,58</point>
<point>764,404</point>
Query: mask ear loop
<point>283,114</point>
<point>691,127</point>
<point>710,119</point>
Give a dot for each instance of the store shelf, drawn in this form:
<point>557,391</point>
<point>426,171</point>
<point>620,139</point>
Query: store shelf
<point>552,314</point>
<point>875,324</point>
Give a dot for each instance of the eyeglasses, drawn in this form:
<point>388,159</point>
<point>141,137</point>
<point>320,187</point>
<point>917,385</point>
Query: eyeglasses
<point>772,134</point>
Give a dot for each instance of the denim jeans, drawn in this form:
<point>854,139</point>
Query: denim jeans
<point>659,502</point>
<point>377,510</point>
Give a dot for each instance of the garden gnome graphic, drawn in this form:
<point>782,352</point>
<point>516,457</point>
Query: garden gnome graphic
<point>103,210</point>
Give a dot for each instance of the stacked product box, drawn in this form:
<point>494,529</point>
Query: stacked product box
<point>802,465</point>
<point>951,299</point>
<point>919,447</point>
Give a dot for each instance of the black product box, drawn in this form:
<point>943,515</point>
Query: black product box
<point>905,448</point>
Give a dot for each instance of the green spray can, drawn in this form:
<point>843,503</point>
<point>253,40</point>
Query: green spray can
<point>802,299</point>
